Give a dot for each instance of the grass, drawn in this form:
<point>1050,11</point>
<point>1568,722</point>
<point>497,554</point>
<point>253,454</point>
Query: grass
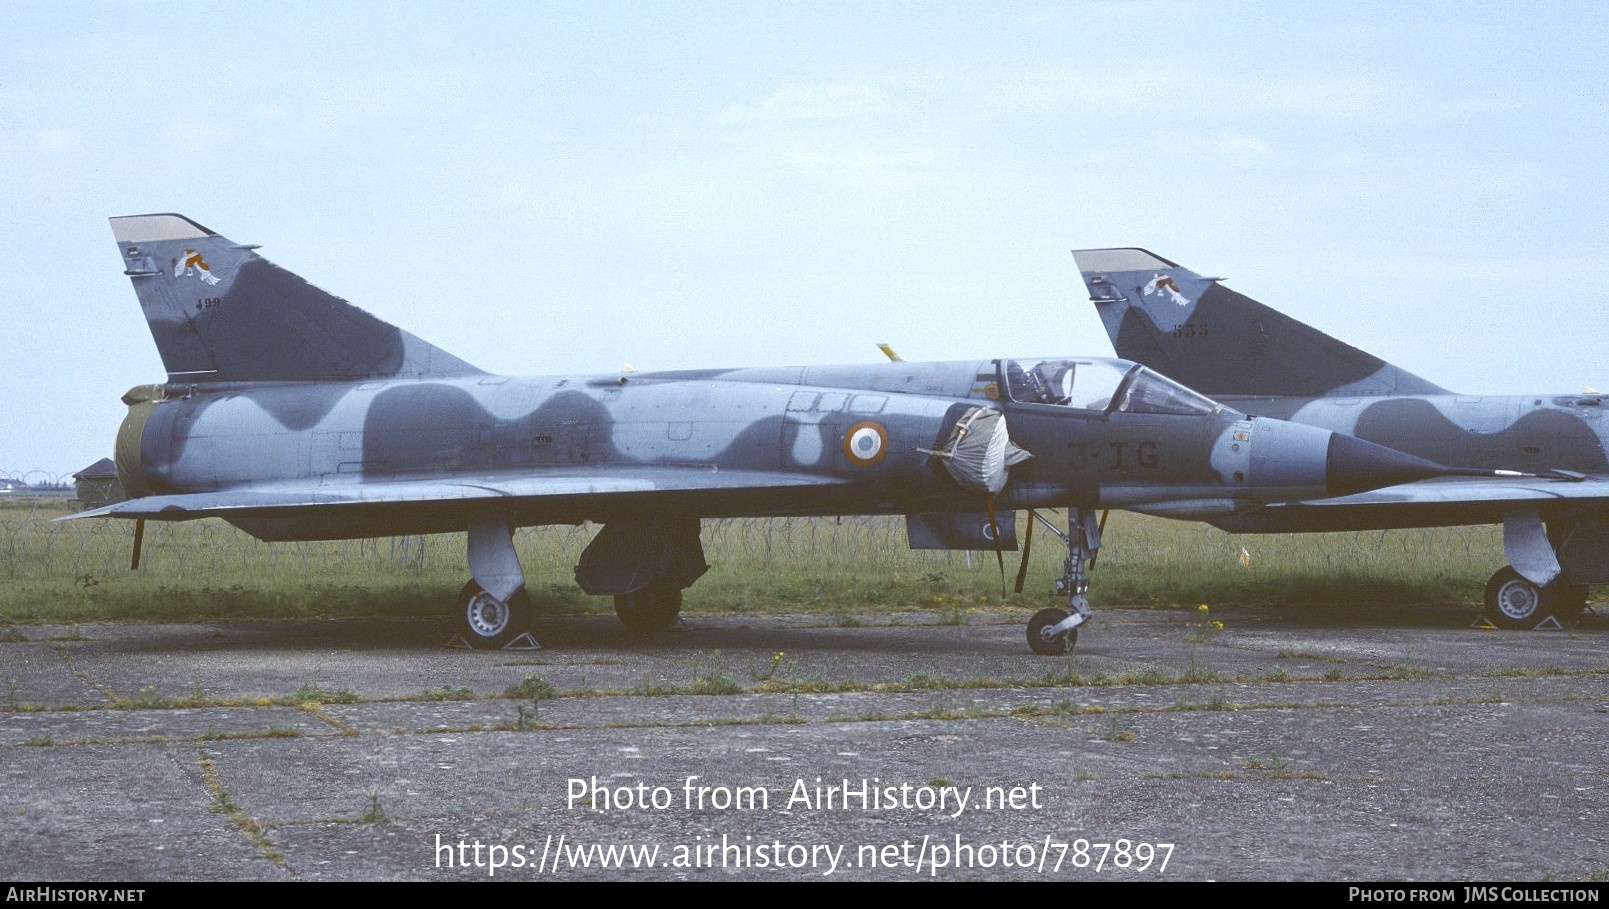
<point>376,814</point>
<point>532,687</point>
<point>1118,731</point>
<point>710,678</point>
<point>853,569</point>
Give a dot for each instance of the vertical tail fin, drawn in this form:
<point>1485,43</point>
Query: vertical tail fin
<point>221,313</point>
<point>1219,342</point>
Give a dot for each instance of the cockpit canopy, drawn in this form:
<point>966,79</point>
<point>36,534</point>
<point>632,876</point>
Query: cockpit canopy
<point>1100,385</point>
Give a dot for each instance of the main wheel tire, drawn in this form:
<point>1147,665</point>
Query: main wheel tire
<point>1569,600</point>
<point>649,609</point>
<point>488,623</point>
<point>1050,645</point>
<point>1518,604</point>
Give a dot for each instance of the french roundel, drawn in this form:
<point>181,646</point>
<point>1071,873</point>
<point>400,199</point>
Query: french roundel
<point>866,443</point>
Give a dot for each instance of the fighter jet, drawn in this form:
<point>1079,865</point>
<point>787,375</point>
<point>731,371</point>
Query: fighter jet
<point>1223,343</point>
<point>294,415</point>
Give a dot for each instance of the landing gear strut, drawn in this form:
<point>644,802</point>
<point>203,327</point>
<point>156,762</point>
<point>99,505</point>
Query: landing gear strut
<point>494,608</point>
<point>1053,631</point>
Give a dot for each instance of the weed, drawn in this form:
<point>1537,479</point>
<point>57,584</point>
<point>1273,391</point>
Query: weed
<point>150,699</point>
<point>926,681</point>
<point>532,688</point>
<point>649,688</point>
<point>1218,702</point>
<point>450,693</point>
<point>1205,628</point>
<point>1084,776</point>
<point>1062,674</point>
<point>1151,675</point>
<point>712,679</point>
<point>11,636</point>
<point>845,620</point>
<point>41,740</point>
<point>1196,673</point>
<point>376,814</point>
<point>940,782</point>
<point>955,614</point>
<point>816,682</point>
<point>311,693</point>
<point>11,693</point>
<point>222,803</point>
<point>765,672</point>
<point>1255,764</point>
<point>1064,706</point>
<point>1118,731</point>
<point>1332,675</point>
<point>771,719</point>
<point>528,718</point>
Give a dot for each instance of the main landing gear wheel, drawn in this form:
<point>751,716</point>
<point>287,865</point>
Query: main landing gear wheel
<point>1516,603</point>
<point>1050,644</point>
<point>649,609</point>
<point>1570,601</point>
<point>488,623</point>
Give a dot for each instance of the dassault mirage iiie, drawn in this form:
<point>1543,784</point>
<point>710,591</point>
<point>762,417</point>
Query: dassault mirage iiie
<point>1555,532</point>
<point>296,416</point>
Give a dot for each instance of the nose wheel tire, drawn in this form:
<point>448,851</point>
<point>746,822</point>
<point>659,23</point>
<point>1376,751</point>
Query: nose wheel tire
<point>488,623</point>
<point>1050,644</point>
<point>1516,603</point>
<point>649,609</point>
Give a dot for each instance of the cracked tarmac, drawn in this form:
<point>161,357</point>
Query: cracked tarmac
<point>1368,745</point>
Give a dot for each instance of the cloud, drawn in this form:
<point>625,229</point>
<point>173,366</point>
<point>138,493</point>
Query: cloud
<point>814,102</point>
<point>55,139</point>
<point>863,167</point>
<point>1239,149</point>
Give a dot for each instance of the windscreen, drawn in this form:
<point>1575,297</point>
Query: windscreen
<point>1100,385</point>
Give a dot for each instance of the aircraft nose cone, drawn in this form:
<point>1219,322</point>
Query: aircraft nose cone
<point>1353,465</point>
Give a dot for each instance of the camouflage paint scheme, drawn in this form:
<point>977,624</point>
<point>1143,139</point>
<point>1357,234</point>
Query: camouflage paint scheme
<point>1223,343</point>
<point>296,416</point>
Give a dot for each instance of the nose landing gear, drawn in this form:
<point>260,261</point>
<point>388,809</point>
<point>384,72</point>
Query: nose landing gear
<point>1054,631</point>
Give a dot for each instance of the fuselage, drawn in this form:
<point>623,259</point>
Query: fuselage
<point>1530,433</point>
<point>872,430</point>
<point>1533,434</point>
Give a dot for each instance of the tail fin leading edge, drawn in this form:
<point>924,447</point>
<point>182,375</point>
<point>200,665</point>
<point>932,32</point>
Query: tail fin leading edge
<point>1220,342</point>
<point>221,313</point>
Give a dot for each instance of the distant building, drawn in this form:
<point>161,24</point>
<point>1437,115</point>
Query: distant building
<point>98,485</point>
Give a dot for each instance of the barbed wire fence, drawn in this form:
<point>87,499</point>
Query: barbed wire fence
<point>36,479</point>
<point>34,546</point>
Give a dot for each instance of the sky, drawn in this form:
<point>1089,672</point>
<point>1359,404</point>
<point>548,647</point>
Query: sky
<point>569,187</point>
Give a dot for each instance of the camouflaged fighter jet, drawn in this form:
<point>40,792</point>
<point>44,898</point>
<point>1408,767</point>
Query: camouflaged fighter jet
<point>295,416</point>
<point>1223,343</point>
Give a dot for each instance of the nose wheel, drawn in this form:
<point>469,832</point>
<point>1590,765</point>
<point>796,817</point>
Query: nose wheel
<point>1044,640</point>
